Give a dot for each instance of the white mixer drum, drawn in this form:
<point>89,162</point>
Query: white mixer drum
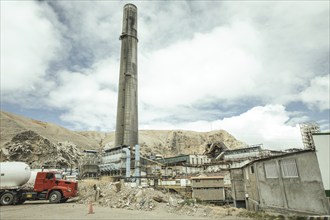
<point>14,174</point>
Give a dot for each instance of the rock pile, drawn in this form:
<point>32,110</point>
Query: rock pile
<point>36,150</point>
<point>119,195</point>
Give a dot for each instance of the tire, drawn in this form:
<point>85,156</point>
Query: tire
<point>7,198</point>
<point>64,200</point>
<point>20,201</point>
<point>55,197</point>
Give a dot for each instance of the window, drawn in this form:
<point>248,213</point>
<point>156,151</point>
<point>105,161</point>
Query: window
<point>58,176</point>
<point>252,169</point>
<point>192,160</point>
<point>49,176</point>
<point>270,170</point>
<point>289,168</point>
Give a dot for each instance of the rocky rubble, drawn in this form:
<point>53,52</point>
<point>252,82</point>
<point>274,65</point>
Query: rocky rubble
<point>36,150</point>
<point>119,195</point>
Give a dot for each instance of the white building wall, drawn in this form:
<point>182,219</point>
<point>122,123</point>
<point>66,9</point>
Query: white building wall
<point>198,159</point>
<point>322,147</point>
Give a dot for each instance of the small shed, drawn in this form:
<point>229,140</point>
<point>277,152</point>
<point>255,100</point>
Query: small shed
<point>208,188</point>
<point>289,183</point>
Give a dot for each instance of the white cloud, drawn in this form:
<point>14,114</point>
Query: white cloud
<point>261,124</point>
<point>89,97</point>
<point>93,27</point>
<point>29,43</point>
<point>258,54</point>
<point>221,64</point>
<point>317,95</point>
<point>295,36</point>
<point>192,57</point>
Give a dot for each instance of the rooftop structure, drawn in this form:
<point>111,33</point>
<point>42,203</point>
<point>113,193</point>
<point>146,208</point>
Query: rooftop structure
<point>307,129</point>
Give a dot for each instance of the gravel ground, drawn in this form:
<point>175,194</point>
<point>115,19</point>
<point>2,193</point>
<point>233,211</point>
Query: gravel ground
<point>72,210</point>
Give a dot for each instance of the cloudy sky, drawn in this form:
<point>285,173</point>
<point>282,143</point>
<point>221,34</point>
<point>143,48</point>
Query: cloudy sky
<point>255,68</point>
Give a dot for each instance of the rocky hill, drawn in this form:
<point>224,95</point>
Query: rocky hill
<point>11,125</point>
<point>174,142</point>
<point>38,151</point>
<point>36,141</point>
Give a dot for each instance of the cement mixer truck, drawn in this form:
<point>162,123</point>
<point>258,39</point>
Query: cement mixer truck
<point>46,185</point>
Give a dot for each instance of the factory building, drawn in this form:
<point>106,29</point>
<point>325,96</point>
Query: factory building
<point>114,161</point>
<point>185,159</point>
<point>89,164</point>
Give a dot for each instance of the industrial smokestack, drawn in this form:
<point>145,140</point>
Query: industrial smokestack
<point>127,108</point>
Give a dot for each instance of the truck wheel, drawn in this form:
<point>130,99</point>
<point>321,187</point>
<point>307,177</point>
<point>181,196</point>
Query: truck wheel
<point>64,200</point>
<point>20,201</point>
<point>55,197</point>
<point>7,198</point>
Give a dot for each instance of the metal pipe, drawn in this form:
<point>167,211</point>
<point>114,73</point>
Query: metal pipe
<point>137,164</point>
<point>128,162</point>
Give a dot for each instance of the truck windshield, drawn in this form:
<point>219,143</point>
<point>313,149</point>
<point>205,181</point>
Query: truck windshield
<point>58,176</point>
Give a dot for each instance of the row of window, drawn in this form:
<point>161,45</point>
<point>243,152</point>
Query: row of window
<point>200,161</point>
<point>288,168</point>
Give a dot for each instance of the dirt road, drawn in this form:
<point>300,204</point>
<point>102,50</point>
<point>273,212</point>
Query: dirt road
<point>72,211</point>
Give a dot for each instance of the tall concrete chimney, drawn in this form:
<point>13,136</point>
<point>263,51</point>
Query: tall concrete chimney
<point>127,108</point>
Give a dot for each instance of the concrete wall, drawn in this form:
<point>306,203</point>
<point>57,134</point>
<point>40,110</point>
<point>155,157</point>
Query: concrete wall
<point>322,147</point>
<point>207,182</point>
<point>237,184</point>
<point>187,169</point>
<point>301,194</point>
<point>208,189</point>
<point>207,194</point>
<point>271,191</point>
<point>251,188</point>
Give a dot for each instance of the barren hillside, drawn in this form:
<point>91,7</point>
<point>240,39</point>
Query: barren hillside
<point>12,124</point>
<point>165,142</point>
<point>174,142</point>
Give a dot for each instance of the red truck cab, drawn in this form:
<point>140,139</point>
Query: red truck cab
<point>52,186</point>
